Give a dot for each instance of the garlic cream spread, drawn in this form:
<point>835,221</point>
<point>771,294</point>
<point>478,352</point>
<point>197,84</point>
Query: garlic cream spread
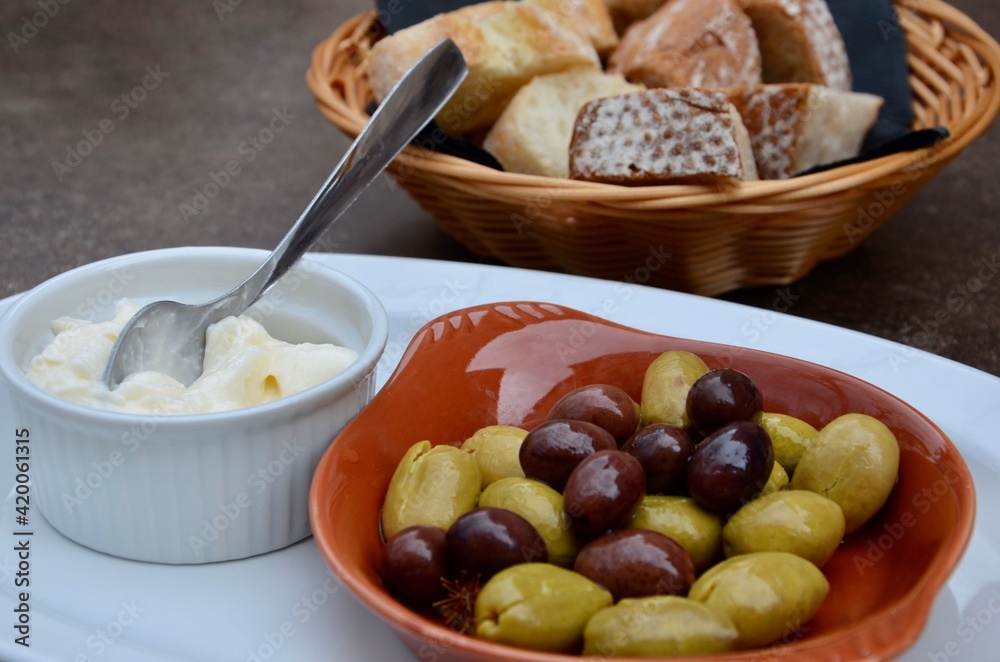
<point>244,366</point>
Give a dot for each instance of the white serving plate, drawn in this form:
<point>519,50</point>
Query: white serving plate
<point>286,605</point>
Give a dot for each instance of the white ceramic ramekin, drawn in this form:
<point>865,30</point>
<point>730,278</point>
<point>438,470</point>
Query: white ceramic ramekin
<point>193,488</point>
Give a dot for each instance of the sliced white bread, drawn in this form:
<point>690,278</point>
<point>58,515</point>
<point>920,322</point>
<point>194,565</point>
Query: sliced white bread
<point>533,134</point>
<point>505,44</point>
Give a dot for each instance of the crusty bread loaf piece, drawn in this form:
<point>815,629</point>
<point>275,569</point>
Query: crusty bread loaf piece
<point>799,42</point>
<point>533,134</point>
<point>795,127</point>
<point>661,136</point>
<point>505,44</point>
<point>690,43</point>
<point>589,17</point>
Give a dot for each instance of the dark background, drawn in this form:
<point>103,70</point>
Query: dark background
<point>222,70</point>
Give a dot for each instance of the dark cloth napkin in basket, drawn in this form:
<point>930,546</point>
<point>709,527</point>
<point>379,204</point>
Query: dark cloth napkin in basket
<point>876,48</point>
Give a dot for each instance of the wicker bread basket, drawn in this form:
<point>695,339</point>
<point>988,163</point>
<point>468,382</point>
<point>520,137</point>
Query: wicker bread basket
<point>698,239</point>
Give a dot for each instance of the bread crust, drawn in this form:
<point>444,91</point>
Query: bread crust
<point>797,126</point>
<point>690,43</point>
<point>799,43</point>
<point>661,136</point>
<point>590,17</point>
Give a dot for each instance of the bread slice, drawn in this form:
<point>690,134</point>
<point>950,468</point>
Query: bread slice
<point>533,134</point>
<point>589,17</point>
<point>661,136</point>
<point>505,44</point>
<point>799,42</point>
<point>690,43</point>
<point>795,127</point>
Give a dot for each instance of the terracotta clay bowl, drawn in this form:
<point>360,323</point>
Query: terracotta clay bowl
<point>508,364</point>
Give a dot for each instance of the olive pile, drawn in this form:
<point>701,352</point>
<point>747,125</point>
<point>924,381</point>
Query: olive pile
<point>693,523</point>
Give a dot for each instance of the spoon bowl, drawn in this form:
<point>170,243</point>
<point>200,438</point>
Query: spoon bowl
<point>169,337</point>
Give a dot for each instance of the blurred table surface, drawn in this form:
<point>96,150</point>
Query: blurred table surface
<point>218,71</point>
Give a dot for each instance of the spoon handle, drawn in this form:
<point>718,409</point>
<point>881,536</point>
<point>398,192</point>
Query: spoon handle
<point>410,105</point>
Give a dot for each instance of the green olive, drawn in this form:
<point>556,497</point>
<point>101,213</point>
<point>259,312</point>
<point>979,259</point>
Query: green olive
<point>542,506</point>
<point>696,529</point>
<point>539,606</point>
<point>495,449</point>
<point>659,626</point>
<point>854,461</point>
<point>790,437</point>
<point>778,480</point>
<point>797,521</point>
<point>665,387</point>
<point>431,486</point>
<point>765,594</point>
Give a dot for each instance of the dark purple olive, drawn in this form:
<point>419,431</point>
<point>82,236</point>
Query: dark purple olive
<point>730,466</point>
<point>634,563</point>
<point>663,451</point>
<point>413,564</point>
<point>484,541</point>
<point>605,406</point>
<point>603,493</point>
<point>552,450</point>
<point>722,396</point>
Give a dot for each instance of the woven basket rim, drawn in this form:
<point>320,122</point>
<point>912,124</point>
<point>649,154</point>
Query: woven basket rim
<point>461,172</point>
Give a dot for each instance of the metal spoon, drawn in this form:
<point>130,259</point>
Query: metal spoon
<point>169,337</point>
